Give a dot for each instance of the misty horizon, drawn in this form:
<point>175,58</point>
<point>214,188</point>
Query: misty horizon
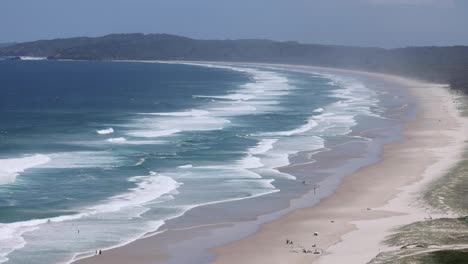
<point>364,23</point>
<point>234,39</point>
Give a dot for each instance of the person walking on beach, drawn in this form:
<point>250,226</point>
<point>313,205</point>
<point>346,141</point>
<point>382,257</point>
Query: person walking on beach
<point>316,186</point>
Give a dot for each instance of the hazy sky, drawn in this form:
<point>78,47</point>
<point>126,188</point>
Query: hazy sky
<point>385,23</point>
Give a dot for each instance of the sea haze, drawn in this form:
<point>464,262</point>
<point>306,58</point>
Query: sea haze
<point>97,154</point>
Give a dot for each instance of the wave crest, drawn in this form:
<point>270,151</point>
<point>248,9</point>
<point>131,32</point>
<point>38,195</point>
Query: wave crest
<point>11,168</point>
<point>105,131</point>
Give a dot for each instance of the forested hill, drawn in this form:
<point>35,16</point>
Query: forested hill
<point>2,45</point>
<point>438,64</point>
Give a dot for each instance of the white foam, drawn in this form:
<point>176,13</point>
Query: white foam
<point>32,58</point>
<point>233,97</point>
<point>11,239</point>
<point>259,96</point>
<point>216,171</point>
<point>250,162</point>
<point>11,234</point>
<point>11,168</point>
<point>117,140</point>
<point>165,124</point>
<point>275,156</point>
<point>310,124</point>
<point>188,166</point>
<point>153,134</point>
<point>338,118</point>
<point>260,161</point>
<point>105,131</point>
<point>148,189</point>
<point>193,112</point>
<point>237,109</point>
<point>263,146</point>
<point>140,162</point>
<point>141,142</point>
<point>82,159</point>
<point>356,98</point>
<point>161,126</point>
<point>265,185</point>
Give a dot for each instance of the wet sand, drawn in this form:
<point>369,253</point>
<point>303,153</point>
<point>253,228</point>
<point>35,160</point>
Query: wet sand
<point>347,231</point>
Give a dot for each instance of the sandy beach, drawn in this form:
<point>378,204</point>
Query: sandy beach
<point>352,222</point>
<point>348,226</point>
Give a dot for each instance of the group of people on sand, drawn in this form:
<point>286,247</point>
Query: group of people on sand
<point>98,252</point>
<point>316,250</point>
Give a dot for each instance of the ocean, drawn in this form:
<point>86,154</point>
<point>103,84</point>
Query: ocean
<point>97,154</point>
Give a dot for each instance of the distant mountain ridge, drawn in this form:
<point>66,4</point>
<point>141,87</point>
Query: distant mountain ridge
<point>437,64</point>
<point>2,45</point>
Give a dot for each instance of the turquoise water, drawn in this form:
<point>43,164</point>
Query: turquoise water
<point>96,154</point>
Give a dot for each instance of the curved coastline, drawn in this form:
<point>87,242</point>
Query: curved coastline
<point>300,224</point>
<point>354,221</point>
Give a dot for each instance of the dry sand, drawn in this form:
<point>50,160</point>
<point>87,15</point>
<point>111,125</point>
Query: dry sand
<point>367,204</point>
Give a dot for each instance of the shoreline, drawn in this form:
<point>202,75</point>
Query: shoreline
<point>444,153</point>
<point>378,187</point>
<point>268,235</point>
